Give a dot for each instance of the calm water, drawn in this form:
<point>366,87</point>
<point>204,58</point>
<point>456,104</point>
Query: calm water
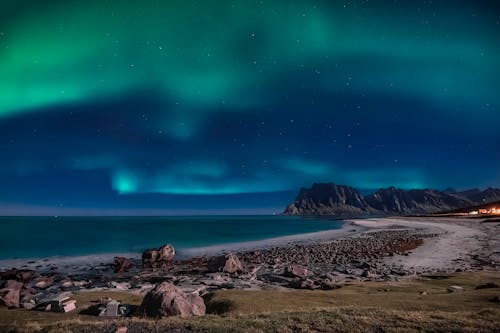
<point>36,237</point>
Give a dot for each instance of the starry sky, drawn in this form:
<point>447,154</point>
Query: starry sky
<point>186,107</point>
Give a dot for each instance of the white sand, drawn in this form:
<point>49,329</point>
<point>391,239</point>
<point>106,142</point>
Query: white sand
<point>454,245</point>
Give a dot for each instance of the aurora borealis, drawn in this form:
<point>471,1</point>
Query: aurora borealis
<point>186,106</point>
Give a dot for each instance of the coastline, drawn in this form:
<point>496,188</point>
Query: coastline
<point>435,253</point>
<point>70,263</point>
<point>444,245</point>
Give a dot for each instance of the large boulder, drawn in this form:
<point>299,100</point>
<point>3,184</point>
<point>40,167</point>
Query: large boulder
<point>297,271</point>
<point>122,264</point>
<point>10,295</point>
<point>22,275</point>
<point>167,300</point>
<point>230,264</point>
<point>161,257</point>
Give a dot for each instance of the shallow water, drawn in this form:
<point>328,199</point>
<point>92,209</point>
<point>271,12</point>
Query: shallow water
<point>38,237</point>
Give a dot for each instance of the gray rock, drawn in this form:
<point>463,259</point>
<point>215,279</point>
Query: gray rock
<point>454,289</point>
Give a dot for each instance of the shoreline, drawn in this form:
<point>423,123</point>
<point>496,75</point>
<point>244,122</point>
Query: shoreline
<point>455,240</point>
<point>379,250</point>
<point>63,262</point>
<point>350,228</point>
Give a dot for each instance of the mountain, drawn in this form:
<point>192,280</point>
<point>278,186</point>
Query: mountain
<point>481,197</point>
<point>495,206</point>
<point>342,200</point>
<point>329,199</point>
<point>392,200</point>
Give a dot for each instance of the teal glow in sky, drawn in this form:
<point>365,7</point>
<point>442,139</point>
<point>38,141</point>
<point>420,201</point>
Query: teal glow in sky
<point>189,98</point>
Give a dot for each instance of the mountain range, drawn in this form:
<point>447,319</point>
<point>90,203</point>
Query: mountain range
<point>343,200</point>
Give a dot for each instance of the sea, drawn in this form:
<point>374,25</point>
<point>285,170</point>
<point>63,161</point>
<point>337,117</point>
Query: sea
<point>42,237</point>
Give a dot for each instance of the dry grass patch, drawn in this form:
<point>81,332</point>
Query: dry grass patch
<point>360,307</point>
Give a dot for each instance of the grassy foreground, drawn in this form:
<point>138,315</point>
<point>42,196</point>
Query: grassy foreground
<point>359,307</point>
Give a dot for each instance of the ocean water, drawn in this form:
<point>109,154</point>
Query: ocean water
<point>41,237</point>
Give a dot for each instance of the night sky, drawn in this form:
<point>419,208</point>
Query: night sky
<point>180,107</point>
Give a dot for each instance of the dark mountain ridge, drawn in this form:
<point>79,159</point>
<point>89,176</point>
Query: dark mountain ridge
<point>342,200</point>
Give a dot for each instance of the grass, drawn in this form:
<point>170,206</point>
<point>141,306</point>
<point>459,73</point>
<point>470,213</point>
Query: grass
<point>359,307</point>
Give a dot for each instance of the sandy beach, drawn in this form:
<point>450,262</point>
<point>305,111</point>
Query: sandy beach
<point>377,254</point>
<point>457,242</point>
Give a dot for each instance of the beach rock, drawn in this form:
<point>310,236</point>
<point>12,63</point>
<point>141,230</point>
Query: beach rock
<point>454,289</point>
<point>21,275</point>
<point>81,283</point>
<point>10,295</point>
<point>366,274</point>
<point>167,300</point>
<point>232,265</point>
<point>10,274</point>
<point>297,271</point>
<point>28,305</point>
<point>122,264</point>
<point>66,283</point>
<point>161,257</point>
<point>304,284</point>
<point>43,282</point>
<point>119,285</point>
<point>122,329</point>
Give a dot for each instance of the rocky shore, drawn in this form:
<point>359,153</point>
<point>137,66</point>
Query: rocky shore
<point>386,250</point>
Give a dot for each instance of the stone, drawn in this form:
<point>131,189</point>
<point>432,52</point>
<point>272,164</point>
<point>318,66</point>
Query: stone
<point>166,252</point>
<point>10,295</point>
<point>303,284</point>
<point>454,289</point>
<point>122,329</point>
<point>10,274</point>
<point>122,264</point>
<point>81,283</point>
<point>25,275</point>
<point>232,265</point>
<point>157,258</point>
<point>167,300</point>
<point>28,305</point>
<point>21,275</point>
<point>367,274</point>
<point>229,263</point>
<point>66,284</point>
<point>119,285</point>
<point>43,282</point>
<point>297,271</point>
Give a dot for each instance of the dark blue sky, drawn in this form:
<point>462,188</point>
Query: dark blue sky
<point>187,107</point>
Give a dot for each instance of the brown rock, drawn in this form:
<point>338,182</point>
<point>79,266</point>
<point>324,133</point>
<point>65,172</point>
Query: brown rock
<point>10,274</point>
<point>43,282</point>
<point>21,275</point>
<point>303,284</point>
<point>160,257</point>
<point>297,271</point>
<point>167,300</point>
<point>10,295</point>
<point>232,264</point>
<point>122,264</point>
<point>166,253</point>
